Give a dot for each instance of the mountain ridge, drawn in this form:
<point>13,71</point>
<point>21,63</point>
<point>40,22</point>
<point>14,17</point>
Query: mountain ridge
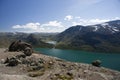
<point>103,37</point>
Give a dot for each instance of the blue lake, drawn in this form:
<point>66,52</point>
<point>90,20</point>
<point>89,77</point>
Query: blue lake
<point>109,60</point>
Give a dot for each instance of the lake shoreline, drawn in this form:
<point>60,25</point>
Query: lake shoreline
<point>83,57</point>
<point>81,50</point>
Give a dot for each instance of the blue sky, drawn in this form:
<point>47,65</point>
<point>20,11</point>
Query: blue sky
<point>54,15</point>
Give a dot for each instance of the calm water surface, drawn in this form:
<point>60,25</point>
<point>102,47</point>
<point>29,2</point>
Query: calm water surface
<point>109,60</point>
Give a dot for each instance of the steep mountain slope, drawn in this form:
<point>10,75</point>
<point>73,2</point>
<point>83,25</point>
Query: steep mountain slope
<point>103,37</point>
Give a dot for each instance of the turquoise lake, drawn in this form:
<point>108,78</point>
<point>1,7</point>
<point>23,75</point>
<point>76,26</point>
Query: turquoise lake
<point>109,60</point>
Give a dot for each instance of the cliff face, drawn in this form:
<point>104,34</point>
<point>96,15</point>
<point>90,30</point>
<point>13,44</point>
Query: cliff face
<point>42,67</point>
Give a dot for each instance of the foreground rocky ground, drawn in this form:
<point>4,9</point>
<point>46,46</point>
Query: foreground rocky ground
<point>42,67</point>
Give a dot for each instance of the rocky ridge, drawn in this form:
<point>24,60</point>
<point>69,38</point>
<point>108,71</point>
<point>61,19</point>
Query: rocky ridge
<point>42,67</point>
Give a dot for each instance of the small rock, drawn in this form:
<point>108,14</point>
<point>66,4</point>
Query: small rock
<point>6,61</point>
<point>96,63</point>
<point>2,61</point>
<point>13,62</point>
<point>28,51</point>
<point>63,65</point>
<point>50,63</point>
<point>41,60</point>
<point>21,56</point>
<point>70,74</point>
<point>85,71</point>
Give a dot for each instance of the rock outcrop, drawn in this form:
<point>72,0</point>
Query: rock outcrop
<point>96,63</point>
<point>18,45</point>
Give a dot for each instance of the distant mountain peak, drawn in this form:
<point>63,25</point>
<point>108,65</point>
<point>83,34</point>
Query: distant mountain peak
<point>101,37</point>
<point>109,27</point>
<point>106,27</point>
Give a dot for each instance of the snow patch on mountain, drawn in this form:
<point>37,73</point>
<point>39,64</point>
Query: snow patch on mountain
<point>115,29</point>
<point>95,28</point>
<point>104,25</point>
<point>80,28</point>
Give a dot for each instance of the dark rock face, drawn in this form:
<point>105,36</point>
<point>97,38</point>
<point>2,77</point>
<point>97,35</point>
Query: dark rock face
<point>12,61</point>
<point>96,63</point>
<point>21,46</point>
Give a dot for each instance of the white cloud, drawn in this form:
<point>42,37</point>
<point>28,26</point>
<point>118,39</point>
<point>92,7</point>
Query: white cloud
<point>98,20</point>
<point>117,18</point>
<point>77,20</point>
<point>68,18</point>
<point>58,26</point>
<point>89,21</point>
<point>51,26</point>
<point>76,23</point>
<point>32,26</point>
